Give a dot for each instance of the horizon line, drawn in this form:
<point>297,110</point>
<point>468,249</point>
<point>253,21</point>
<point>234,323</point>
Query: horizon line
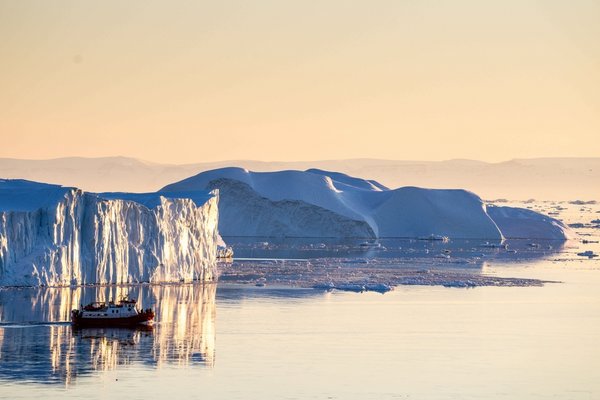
<point>145,161</point>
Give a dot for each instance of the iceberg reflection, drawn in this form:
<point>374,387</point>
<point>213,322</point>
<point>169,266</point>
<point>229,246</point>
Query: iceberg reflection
<point>37,344</point>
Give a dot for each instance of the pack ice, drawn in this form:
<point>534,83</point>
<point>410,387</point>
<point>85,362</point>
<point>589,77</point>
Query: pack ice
<point>369,207</point>
<point>54,235</point>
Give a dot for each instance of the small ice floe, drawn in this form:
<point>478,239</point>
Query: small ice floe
<point>324,286</point>
<point>583,202</point>
<point>494,245</point>
<point>224,252</point>
<point>435,237</point>
<point>354,287</point>
<point>460,284</point>
<point>356,261</point>
<point>588,254</point>
<point>351,287</point>
<point>378,287</point>
<point>372,246</point>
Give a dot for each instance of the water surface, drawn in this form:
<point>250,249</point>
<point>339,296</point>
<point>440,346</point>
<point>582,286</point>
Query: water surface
<point>241,342</point>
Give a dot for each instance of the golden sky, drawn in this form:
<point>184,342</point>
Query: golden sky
<point>190,81</point>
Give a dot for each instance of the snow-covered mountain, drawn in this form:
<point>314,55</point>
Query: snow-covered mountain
<point>404,212</point>
<point>54,235</point>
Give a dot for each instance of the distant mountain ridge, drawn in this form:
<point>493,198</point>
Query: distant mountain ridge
<point>539,178</point>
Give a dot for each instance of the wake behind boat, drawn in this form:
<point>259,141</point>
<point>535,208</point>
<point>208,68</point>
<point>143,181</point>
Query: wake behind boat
<point>122,313</point>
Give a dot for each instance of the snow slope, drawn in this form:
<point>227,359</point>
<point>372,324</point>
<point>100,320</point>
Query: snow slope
<point>521,223</point>
<point>53,235</point>
<point>417,212</point>
<point>404,212</point>
<point>311,188</point>
<point>352,181</point>
<point>243,212</point>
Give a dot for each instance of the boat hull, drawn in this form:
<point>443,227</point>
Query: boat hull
<point>144,317</point>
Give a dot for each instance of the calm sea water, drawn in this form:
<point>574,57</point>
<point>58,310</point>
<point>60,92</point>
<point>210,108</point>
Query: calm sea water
<point>232,342</point>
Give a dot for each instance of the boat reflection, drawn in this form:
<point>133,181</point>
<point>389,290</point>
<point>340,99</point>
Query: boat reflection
<point>38,344</point>
<point>111,347</point>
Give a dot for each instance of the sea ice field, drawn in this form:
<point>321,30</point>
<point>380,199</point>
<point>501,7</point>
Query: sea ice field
<point>305,318</point>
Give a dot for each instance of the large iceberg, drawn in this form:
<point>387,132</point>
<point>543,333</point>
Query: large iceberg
<point>54,235</point>
<point>407,212</point>
<point>243,212</point>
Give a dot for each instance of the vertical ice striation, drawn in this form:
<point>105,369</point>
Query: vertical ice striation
<point>62,236</point>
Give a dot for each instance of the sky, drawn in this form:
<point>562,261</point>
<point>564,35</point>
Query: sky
<point>193,81</point>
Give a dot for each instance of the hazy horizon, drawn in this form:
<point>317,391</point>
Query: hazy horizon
<point>280,161</point>
<point>542,178</point>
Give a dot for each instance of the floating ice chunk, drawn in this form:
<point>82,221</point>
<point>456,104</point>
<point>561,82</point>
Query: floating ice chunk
<point>435,237</point>
<point>588,254</point>
<point>378,287</point>
<point>351,287</point>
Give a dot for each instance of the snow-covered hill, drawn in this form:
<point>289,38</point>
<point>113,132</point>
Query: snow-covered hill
<point>404,212</point>
<point>54,235</point>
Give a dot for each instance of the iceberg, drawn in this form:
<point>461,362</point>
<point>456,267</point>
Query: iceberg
<point>243,212</point>
<point>57,236</point>
<point>522,223</point>
<point>406,212</point>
